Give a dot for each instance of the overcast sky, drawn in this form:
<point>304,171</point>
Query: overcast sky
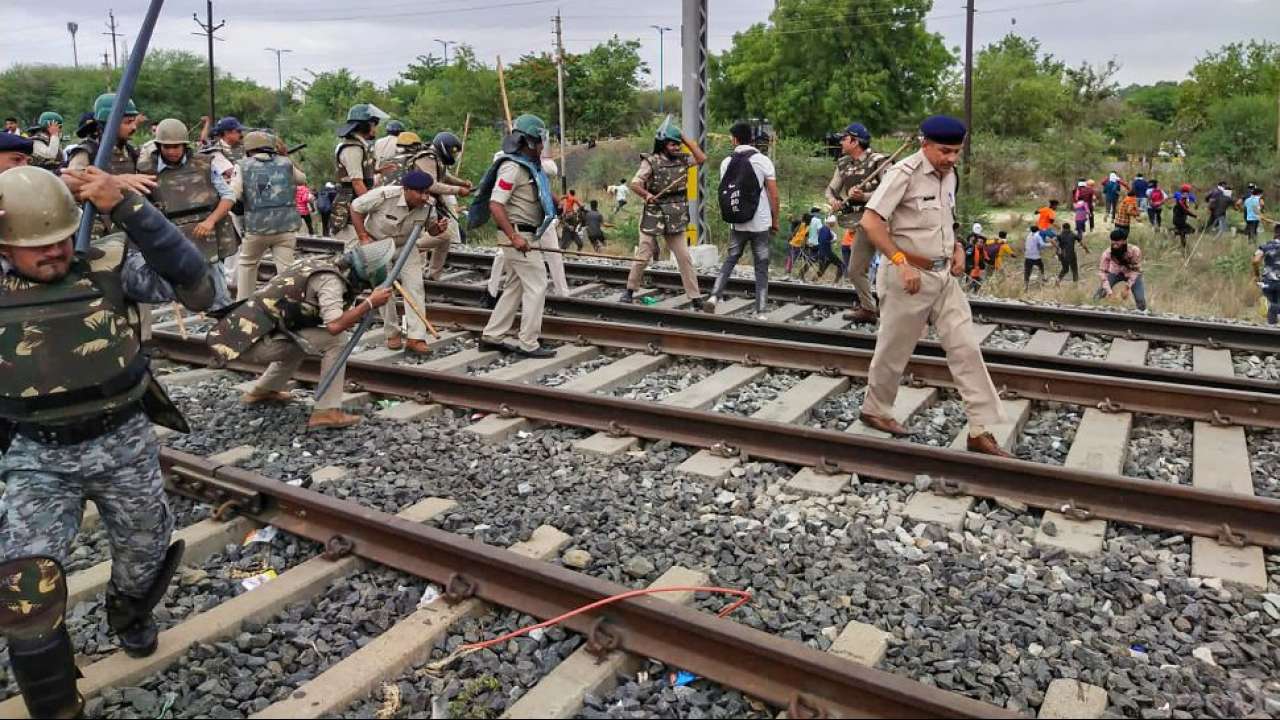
<point>1153,40</point>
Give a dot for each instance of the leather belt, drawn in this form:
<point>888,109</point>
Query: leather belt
<point>77,432</point>
<point>925,263</point>
<point>525,227</point>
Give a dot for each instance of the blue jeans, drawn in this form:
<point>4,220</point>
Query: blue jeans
<point>738,240</point>
<point>1136,287</point>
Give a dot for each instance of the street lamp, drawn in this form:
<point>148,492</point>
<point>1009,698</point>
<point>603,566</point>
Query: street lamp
<point>75,54</point>
<point>662,31</point>
<point>279,79</point>
<point>446,44</point>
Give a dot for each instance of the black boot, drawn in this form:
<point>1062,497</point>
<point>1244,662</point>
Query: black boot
<point>45,671</point>
<point>627,297</point>
<point>131,621</point>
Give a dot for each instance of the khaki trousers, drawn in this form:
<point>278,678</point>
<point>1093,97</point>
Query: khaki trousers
<point>439,246</point>
<point>526,284</point>
<point>555,264</point>
<point>251,251</point>
<point>902,320</point>
<point>859,263</point>
<point>286,356</point>
<point>647,248</point>
<point>411,279</point>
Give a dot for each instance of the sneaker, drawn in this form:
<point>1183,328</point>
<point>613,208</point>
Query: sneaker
<point>761,316</point>
<point>628,297</point>
<point>538,352</point>
<point>709,303</point>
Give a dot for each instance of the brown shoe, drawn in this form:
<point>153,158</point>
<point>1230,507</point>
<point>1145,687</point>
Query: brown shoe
<point>263,397</point>
<point>321,419</point>
<point>862,315</point>
<point>417,347</point>
<point>395,342</point>
<point>887,425</point>
<point>987,445</point>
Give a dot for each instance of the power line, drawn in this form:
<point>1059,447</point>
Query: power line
<point>208,29</point>
<point>115,60</point>
<point>279,79</point>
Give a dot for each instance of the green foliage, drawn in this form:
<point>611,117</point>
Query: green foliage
<point>1068,155</point>
<point>601,87</point>
<point>1158,102</point>
<point>1240,130</point>
<point>819,64</point>
<point>1016,91</point>
<point>1235,70</point>
<point>1140,135</point>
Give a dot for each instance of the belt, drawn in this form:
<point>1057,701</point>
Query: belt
<point>77,432</point>
<point>924,263</point>
<point>525,227</point>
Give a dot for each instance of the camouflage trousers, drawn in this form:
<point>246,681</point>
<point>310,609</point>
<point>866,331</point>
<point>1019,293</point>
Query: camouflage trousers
<point>46,487</point>
<point>340,215</point>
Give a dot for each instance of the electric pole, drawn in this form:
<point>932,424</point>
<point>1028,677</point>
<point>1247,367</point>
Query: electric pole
<point>662,84</point>
<point>446,44</point>
<point>279,80</point>
<point>75,54</point>
<point>693,41</point>
<point>968,85</point>
<point>564,174</point>
<point>208,29</point>
<point>115,59</point>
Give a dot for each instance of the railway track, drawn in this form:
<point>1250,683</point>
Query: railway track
<point>1211,334</point>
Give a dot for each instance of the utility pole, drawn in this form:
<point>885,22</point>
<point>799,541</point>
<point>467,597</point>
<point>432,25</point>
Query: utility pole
<point>564,174</point>
<point>115,59</point>
<point>75,53</point>
<point>662,83</point>
<point>446,44</point>
<point>693,41</point>
<point>968,85</point>
<point>208,29</point>
<point>279,80</point>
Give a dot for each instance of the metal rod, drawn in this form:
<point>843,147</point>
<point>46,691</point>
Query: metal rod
<point>111,133</point>
<point>410,246</point>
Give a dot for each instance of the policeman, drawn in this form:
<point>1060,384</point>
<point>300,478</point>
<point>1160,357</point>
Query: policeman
<point>195,197</point>
<point>436,161</point>
<point>517,193</point>
<point>124,156</point>
<point>385,147</point>
<point>549,240</point>
<point>857,175</point>
<point>407,145</point>
<point>15,151</point>
<point>910,223</point>
<point>356,165</point>
<point>77,397</point>
<point>305,309</point>
<point>390,212</point>
<point>46,137</point>
<point>266,182</point>
<point>661,183</point>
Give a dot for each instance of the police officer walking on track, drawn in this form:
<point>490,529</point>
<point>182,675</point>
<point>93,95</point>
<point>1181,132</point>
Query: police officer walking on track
<point>910,222</point>
<point>266,181</point>
<point>517,193</point>
<point>851,186</point>
<point>76,403</point>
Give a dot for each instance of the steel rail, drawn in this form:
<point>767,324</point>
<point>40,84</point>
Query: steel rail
<point>1078,493</point>
<point>1254,338</point>
<point>781,672</point>
<point>808,334</point>
<point>1112,394</point>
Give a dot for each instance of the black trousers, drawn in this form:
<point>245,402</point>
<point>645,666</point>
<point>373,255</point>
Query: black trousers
<point>1027,266</point>
<point>1069,262</point>
<point>310,229</point>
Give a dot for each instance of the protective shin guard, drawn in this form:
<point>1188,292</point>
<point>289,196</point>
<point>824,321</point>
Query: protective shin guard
<point>45,670</point>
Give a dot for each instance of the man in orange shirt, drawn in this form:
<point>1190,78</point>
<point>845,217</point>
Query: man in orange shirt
<point>1047,215</point>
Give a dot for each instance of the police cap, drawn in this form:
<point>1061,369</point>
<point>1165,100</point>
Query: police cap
<point>416,180</point>
<point>10,142</point>
<point>859,131</point>
<point>943,129</point>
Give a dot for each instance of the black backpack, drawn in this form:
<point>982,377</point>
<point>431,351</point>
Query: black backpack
<point>739,189</point>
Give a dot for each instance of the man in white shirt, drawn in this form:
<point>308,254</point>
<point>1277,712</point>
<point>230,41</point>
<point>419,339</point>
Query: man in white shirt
<point>620,194</point>
<point>759,230</point>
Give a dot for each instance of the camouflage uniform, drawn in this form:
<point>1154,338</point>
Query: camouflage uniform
<point>340,216</point>
<point>851,173</point>
<point>667,216</point>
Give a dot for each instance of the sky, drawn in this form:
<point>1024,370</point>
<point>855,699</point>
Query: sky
<point>377,39</point>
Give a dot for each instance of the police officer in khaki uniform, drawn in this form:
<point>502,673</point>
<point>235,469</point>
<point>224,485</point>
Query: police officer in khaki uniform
<point>357,167</point>
<point>910,223</point>
<point>517,193</point>
<point>436,160</point>
<point>857,175</point>
<point>384,148</point>
<point>661,183</point>
<point>265,181</point>
<point>390,212</point>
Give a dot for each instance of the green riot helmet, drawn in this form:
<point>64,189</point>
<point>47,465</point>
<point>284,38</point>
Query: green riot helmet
<point>372,261</point>
<point>667,132</point>
<point>171,131</point>
<point>102,107</point>
<point>47,117</point>
<point>361,113</point>
<point>38,208</point>
<point>259,141</point>
<point>526,131</point>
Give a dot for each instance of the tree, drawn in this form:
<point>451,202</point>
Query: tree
<point>1016,92</point>
<point>603,98</point>
<point>1236,70</point>
<point>1241,130</point>
<point>1141,136</point>
<point>824,62</point>
<point>1158,102</point>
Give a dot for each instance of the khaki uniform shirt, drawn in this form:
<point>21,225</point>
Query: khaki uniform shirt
<point>516,189</point>
<point>325,292</point>
<point>384,148</point>
<point>388,215</point>
<point>446,183</point>
<point>919,205</point>
<point>351,160</point>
